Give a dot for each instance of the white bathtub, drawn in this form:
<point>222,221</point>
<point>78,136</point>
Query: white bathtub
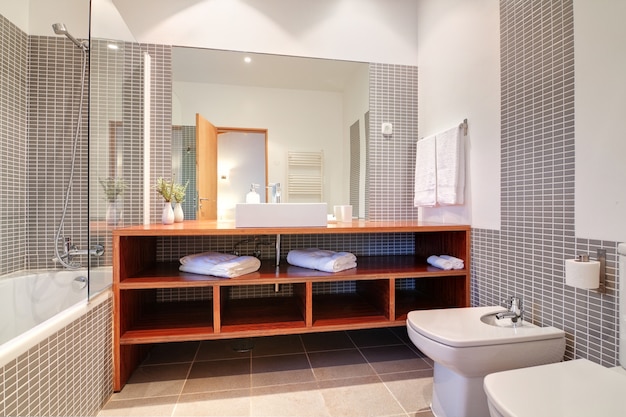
<point>36,303</point>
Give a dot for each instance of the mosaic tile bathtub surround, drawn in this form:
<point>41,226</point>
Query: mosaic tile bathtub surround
<point>68,374</point>
<point>526,257</point>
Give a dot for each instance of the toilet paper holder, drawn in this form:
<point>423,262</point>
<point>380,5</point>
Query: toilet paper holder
<point>600,257</point>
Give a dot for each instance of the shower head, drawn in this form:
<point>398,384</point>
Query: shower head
<point>60,29</point>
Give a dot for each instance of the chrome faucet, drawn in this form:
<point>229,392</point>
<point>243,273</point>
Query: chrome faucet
<point>514,310</point>
<point>71,250</point>
<point>276,192</point>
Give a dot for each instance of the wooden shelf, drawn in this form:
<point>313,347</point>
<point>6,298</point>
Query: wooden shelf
<point>278,313</point>
<point>167,275</point>
<point>345,310</point>
<point>171,321</point>
<point>379,292</point>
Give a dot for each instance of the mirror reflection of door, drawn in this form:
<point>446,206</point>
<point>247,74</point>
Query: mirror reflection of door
<point>228,161</point>
<point>206,169</point>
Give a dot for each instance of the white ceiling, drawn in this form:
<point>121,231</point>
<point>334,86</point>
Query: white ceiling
<point>212,66</point>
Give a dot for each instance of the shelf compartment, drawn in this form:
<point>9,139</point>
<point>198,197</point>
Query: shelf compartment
<point>147,321</point>
<point>265,314</point>
<point>368,303</point>
<point>429,293</point>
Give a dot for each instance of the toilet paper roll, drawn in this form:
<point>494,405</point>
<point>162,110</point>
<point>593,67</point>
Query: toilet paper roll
<point>585,275</point>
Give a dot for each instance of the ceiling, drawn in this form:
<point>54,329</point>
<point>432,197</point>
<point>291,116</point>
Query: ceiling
<point>213,66</point>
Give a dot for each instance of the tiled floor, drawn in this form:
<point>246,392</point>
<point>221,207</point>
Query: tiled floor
<point>356,373</point>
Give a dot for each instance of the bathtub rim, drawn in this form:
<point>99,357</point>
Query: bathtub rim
<point>15,347</point>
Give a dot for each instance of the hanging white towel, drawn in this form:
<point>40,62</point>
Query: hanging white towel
<point>450,163</point>
<point>425,173</point>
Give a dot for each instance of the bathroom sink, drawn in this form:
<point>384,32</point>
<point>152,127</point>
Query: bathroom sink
<point>491,320</point>
<point>281,215</point>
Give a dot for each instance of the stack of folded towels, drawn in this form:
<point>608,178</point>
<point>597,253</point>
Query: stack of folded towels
<point>446,262</point>
<point>219,264</point>
<point>322,260</point>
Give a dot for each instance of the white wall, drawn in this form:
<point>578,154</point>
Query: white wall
<point>357,30</point>
<point>459,78</point>
<point>16,12</point>
<point>296,120</point>
<point>600,65</point>
<point>43,13</point>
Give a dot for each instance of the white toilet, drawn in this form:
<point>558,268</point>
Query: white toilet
<point>577,388</point>
<point>468,343</point>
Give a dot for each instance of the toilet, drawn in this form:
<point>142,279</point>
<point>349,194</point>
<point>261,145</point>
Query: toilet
<point>466,344</point>
<point>576,388</point>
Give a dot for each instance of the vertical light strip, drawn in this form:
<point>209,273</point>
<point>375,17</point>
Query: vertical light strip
<point>146,137</point>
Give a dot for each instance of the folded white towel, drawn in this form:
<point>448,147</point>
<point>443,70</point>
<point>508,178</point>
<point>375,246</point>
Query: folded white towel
<point>440,263</point>
<point>219,264</point>
<point>450,163</point>
<point>456,262</point>
<point>425,173</point>
<point>322,260</point>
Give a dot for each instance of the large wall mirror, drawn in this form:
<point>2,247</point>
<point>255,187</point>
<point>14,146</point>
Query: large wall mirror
<point>303,104</point>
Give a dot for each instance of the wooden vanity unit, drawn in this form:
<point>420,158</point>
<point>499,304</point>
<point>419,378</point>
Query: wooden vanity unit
<point>377,301</point>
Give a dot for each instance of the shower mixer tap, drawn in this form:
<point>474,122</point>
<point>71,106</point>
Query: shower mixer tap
<point>71,250</point>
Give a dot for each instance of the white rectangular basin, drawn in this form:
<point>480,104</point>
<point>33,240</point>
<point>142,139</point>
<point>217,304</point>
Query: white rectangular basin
<point>281,215</point>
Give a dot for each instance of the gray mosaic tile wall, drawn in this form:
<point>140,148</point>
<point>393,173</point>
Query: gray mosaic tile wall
<point>391,160</point>
<point>526,257</point>
<point>116,131</point>
<point>13,146</point>
<point>185,138</point>
<point>67,374</point>
<point>54,88</point>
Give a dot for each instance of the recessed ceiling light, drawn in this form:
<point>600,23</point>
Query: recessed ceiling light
<point>247,60</point>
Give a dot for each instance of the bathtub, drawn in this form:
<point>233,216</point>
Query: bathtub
<point>34,304</point>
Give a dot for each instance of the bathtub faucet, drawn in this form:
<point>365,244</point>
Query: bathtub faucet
<point>514,310</point>
<point>71,250</point>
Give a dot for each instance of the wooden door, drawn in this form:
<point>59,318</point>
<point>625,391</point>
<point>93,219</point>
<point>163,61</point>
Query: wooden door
<point>206,168</point>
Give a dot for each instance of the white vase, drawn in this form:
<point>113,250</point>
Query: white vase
<point>168,213</point>
<point>179,215</point>
<point>114,213</point>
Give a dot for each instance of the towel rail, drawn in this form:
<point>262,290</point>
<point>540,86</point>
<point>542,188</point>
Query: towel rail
<point>463,126</point>
<point>306,174</point>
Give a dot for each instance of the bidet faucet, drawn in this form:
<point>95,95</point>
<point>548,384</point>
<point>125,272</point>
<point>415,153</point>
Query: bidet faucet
<point>514,310</point>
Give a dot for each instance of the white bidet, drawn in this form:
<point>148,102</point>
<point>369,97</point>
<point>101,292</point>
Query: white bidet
<point>465,349</point>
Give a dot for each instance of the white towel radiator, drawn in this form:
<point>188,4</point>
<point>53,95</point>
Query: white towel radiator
<point>305,179</point>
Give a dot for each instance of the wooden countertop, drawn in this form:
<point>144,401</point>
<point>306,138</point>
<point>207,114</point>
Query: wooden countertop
<point>215,227</point>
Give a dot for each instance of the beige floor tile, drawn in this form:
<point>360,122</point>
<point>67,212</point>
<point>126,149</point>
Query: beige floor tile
<point>155,381</point>
<point>223,375</point>
<point>413,390</point>
<point>293,400</point>
<point>373,337</point>
<point>390,359</point>
<point>157,406</point>
<point>339,364</point>
<point>314,342</point>
<point>233,403</point>
<point>221,349</point>
<point>277,345</point>
<point>359,397</point>
<point>282,369</point>
<point>163,353</point>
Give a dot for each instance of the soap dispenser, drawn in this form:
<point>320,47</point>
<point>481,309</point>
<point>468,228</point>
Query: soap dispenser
<point>253,196</point>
